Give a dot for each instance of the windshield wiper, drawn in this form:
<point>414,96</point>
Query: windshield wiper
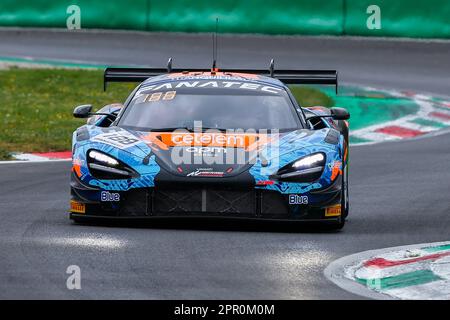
<point>212,128</point>
<point>190,129</point>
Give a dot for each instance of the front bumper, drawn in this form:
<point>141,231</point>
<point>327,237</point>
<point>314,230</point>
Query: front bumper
<point>204,201</point>
<point>143,219</point>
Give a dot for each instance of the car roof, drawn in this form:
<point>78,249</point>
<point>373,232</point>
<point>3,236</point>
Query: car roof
<point>212,75</point>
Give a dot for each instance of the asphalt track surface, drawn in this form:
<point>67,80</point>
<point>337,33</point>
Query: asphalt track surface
<point>399,190</point>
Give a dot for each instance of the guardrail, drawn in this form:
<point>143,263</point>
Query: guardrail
<point>399,18</point>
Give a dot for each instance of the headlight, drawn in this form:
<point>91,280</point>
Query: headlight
<point>309,161</point>
<point>101,157</point>
<point>103,166</point>
<point>306,169</point>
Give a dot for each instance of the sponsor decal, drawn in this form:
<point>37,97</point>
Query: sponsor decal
<point>205,172</point>
<point>265,183</point>
<point>334,211</point>
<point>107,196</point>
<point>77,207</point>
<point>211,84</point>
<point>206,150</point>
<point>336,169</point>
<point>76,166</point>
<point>234,146</point>
<point>183,138</point>
<point>217,75</point>
<point>249,140</point>
<point>119,140</point>
<point>298,199</point>
<point>209,139</point>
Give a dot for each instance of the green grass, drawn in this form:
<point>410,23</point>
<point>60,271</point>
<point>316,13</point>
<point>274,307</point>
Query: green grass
<point>309,97</point>
<point>36,105</point>
<point>5,155</point>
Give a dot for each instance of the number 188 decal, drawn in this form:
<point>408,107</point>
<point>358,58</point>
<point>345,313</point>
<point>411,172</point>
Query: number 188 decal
<point>117,139</point>
<point>156,96</point>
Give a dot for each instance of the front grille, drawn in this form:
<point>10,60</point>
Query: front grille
<point>211,201</point>
<point>134,203</point>
<point>274,205</point>
<point>170,201</point>
<point>231,201</point>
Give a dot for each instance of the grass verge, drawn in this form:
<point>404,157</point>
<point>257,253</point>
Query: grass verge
<point>37,105</point>
<point>308,97</point>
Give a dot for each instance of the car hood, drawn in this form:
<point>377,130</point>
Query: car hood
<point>209,154</point>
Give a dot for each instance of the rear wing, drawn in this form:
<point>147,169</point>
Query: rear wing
<point>287,76</point>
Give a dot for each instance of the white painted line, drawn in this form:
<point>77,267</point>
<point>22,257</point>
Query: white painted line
<point>418,127</point>
<point>29,157</point>
<point>373,135</point>
<point>34,161</point>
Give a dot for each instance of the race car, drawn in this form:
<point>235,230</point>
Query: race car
<point>212,143</point>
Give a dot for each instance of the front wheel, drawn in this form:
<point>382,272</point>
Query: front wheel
<point>335,225</point>
<point>344,201</point>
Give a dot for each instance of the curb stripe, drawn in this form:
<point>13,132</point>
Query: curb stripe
<point>437,248</point>
<point>54,155</point>
<point>409,124</point>
<point>440,115</point>
<point>442,107</point>
<point>433,114</point>
<point>374,136</point>
<point>429,279</point>
<point>384,263</point>
<point>354,139</point>
<point>428,122</point>
<point>401,281</point>
<point>42,156</point>
<point>53,63</point>
<point>401,132</point>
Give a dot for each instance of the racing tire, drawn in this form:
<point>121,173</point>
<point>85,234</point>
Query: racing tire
<point>79,220</point>
<point>344,201</point>
<point>343,128</point>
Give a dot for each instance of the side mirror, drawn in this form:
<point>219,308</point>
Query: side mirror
<point>339,113</point>
<point>106,115</point>
<point>83,111</point>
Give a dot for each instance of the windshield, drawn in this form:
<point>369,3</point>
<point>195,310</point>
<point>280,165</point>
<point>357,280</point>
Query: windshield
<point>219,108</point>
